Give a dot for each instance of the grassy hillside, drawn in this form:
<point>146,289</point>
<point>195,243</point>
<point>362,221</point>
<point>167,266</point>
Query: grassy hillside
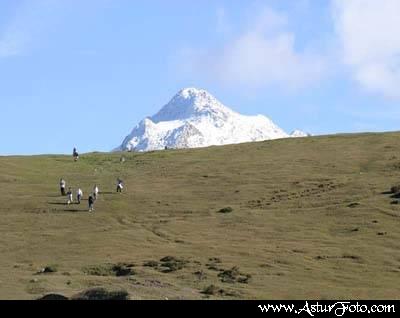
<point>309,218</point>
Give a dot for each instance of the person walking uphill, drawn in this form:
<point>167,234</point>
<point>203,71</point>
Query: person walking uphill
<point>95,192</point>
<point>62,186</point>
<point>69,197</point>
<point>120,185</point>
<point>79,195</point>
<point>91,203</point>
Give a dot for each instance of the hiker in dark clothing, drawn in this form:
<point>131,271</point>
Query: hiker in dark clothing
<point>70,200</point>
<point>62,186</point>
<point>75,155</point>
<point>120,185</point>
<point>91,203</point>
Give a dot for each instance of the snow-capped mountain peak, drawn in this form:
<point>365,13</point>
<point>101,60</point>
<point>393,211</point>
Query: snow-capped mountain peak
<point>194,118</point>
<point>190,102</point>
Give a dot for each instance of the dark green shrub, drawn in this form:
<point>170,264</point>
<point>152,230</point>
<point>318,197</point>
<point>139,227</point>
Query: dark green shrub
<point>226,210</point>
<point>102,294</point>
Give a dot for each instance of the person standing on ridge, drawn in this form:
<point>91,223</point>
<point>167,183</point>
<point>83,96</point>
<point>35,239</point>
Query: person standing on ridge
<point>75,155</point>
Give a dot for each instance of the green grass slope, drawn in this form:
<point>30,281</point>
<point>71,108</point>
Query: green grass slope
<point>295,218</point>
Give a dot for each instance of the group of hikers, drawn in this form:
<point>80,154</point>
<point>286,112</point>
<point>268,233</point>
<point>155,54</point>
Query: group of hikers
<point>79,193</point>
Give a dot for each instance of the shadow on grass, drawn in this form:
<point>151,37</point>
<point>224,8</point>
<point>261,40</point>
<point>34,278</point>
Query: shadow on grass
<point>74,210</point>
<point>56,196</point>
<point>57,203</point>
<point>64,203</point>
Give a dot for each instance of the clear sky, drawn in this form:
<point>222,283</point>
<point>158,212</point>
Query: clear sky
<point>84,72</point>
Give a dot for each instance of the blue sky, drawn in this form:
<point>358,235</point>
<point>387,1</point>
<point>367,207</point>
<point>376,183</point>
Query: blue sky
<point>84,72</point>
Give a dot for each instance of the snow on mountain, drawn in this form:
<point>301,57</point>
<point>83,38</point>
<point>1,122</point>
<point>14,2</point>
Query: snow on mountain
<point>298,134</point>
<point>194,118</point>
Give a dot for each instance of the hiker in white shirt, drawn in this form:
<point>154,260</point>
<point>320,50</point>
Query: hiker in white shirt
<point>79,195</point>
<point>62,186</point>
<point>95,192</point>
